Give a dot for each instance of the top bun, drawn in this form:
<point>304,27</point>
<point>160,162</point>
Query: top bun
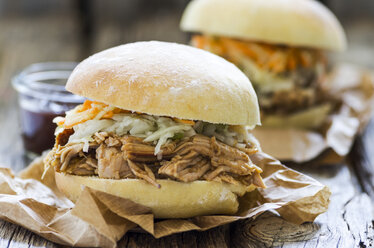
<point>305,23</point>
<point>168,79</point>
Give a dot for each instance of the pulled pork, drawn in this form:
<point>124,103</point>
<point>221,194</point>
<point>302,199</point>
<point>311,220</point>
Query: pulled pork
<point>288,102</point>
<point>196,158</point>
<point>304,67</point>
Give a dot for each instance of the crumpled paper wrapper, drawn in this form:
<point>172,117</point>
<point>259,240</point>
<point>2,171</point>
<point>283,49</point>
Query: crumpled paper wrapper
<point>99,219</point>
<point>355,87</point>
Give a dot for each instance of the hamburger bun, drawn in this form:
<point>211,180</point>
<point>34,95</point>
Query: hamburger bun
<point>305,23</point>
<point>173,200</point>
<point>309,118</point>
<point>168,79</point>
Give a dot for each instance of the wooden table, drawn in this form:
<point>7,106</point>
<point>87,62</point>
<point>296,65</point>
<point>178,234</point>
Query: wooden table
<point>348,222</point>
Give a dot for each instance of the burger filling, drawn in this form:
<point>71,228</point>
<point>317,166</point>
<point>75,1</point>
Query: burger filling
<point>96,139</point>
<point>286,79</point>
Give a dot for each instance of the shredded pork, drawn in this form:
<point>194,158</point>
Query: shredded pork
<point>300,70</point>
<point>195,158</point>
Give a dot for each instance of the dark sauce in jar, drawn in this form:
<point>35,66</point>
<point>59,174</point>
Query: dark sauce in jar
<point>42,97</point>
<point>37,130</point>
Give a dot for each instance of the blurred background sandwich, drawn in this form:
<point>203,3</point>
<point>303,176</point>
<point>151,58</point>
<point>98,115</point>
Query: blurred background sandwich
<point>281,45</point>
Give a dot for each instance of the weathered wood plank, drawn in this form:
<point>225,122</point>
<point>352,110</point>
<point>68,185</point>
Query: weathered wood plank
<point>25,41</point>
<point>217,237</point>
<point>11,135</point>
<point>12,235</point>
<point>358,215</point>
<point>362,160</point>
<point>7,231</point>
<point>347,223</point>
<point>137,21</point>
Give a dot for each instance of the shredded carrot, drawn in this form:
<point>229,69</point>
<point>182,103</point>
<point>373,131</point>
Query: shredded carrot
<point>198,41</point>
<point>86,105</point>
<point>60,123</point>
<point>108,115</point>
<point>242,46</point>
<point>188,122</point>
<point>269,49</point>
<point>118,110</point>
<point>274,58</point>
<point>73,124</point>
<point>291,61</point>
<point>305,59</point>
<point>87,111</point>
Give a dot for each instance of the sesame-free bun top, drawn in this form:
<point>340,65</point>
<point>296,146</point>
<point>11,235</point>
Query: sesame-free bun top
<point>168,79</point>
<point>305,23</point>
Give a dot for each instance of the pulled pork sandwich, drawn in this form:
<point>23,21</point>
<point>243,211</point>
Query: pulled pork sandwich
<point>167,127</point>
<point>280,45</point>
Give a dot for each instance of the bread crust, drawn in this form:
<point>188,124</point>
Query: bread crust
<point>168,79</point>
<point>309,118</point>
<point>304,23</point>
<point>173,200</point>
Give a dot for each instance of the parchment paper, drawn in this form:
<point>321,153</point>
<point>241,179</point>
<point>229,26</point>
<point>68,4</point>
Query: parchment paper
<point>99,219</point>
<point>355,87</point>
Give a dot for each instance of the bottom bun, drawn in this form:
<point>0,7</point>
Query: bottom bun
<point>173,200</point>
<point>310,118</point>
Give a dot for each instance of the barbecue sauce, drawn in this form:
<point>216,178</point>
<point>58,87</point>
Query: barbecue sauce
<point>38,130</point>
<point>42,97</point>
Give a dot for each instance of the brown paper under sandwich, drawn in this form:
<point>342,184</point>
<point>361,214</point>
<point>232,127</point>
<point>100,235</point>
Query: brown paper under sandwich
<point>98,219</point>
<point>167,127</point>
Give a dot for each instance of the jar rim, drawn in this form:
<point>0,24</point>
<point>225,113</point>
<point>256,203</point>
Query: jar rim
<point>30,81</point>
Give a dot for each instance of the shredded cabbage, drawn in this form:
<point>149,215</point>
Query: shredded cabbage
<point>103,112</point>
<point>165,133</point>
<point>265,81</point>
<point>152,128</point>
<point>159,130</point>
<point>87,129</point>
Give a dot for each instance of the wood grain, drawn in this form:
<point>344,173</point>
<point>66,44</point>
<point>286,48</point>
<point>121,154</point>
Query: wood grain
<point>347,223</point>
<point>217,237</point>
<point>25,40</point>
<point>362,160</point>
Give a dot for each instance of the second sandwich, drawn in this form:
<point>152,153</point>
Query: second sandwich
<point>280,45</point>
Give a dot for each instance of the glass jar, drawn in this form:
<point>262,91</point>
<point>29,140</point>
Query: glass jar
<point>42,97</point>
